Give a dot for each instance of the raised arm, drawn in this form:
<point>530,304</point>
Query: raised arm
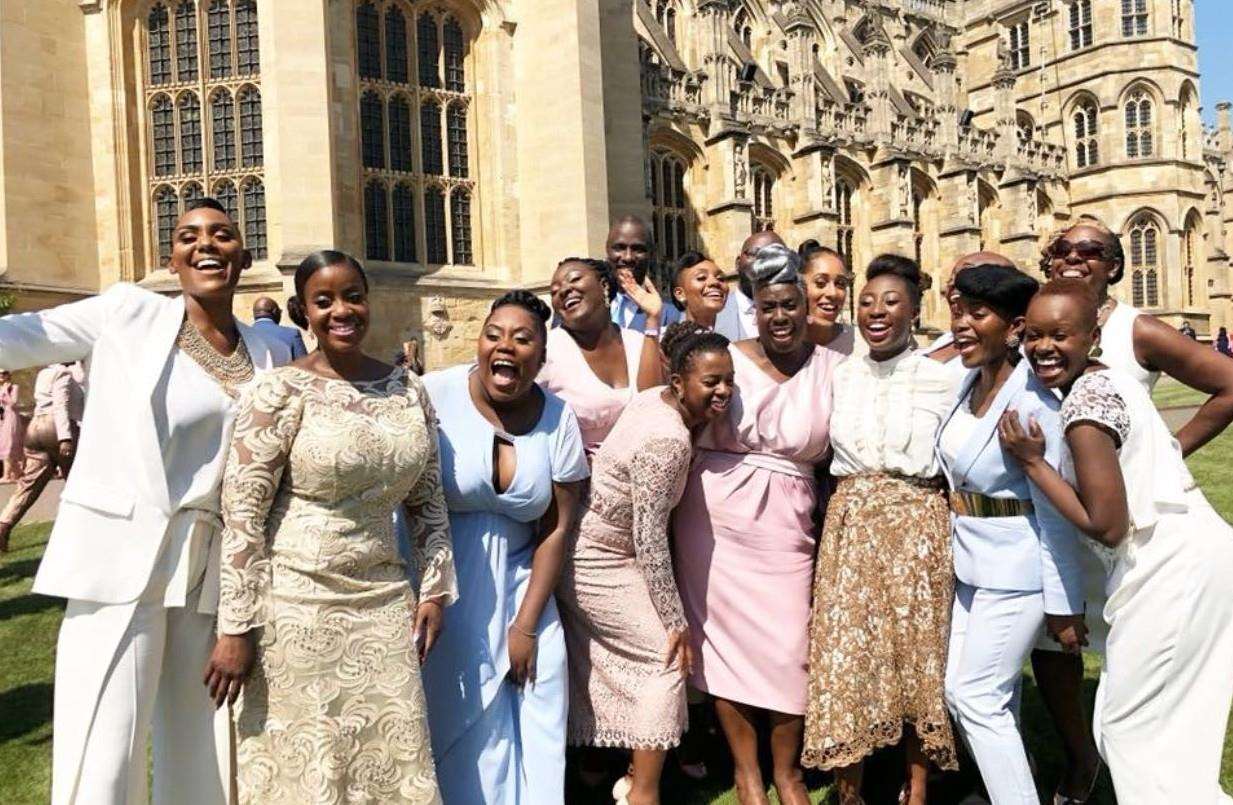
<point>657,474</point>
<point>1159,346</point>
<point>60,334</point>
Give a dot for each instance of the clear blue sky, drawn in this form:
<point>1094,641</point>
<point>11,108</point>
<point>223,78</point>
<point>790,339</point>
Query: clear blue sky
<point>1214,32</point>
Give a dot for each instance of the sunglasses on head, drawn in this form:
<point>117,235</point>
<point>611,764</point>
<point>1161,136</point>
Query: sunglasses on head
<point>1084,249</point>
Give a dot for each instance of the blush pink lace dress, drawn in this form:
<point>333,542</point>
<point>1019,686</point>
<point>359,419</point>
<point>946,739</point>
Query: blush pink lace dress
<point>617,597</point>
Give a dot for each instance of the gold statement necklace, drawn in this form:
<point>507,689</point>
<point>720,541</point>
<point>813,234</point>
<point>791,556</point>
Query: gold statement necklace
<point>229,371</point>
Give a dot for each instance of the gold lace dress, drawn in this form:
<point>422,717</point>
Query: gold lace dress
<point>334,710</point>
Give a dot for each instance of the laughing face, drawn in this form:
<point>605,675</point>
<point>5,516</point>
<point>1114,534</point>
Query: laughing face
<point>1059,336</point>
<point>579,296</point>
<point>207,254</point>
<point>705,386</point>
<point>510,353</point>
<point>702,290</point>
<point>336,304</point>
<point>981,332</point>
<point>827,284</point>
<point>884,314</point>
<point>1083,253</point>
<point>782,317</point>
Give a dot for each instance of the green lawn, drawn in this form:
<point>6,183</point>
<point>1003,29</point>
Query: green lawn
<point>1171,394</point>
<point>28,625</point>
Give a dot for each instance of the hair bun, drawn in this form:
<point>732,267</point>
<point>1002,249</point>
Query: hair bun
<point>296,312</point>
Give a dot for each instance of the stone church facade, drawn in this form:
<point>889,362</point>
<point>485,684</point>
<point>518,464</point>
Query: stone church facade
<point>463,147</point>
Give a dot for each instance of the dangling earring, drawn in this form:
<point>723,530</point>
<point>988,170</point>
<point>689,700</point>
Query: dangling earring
<point>1095,352</point>
<point>1012,342</point>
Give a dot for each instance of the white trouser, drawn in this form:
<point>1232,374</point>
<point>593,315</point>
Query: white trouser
<point>991,634</point>
<point>1163,703</point>
<point>118,668</point>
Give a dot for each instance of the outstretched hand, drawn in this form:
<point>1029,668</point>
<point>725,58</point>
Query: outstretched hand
<point>1026,446</point>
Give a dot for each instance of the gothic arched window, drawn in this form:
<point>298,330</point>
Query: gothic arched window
<point>254,218</point>
<point>368,41</point>
<point>163,131</point>
<point>218,22</point>
<point>247,46</point>
<point>166,211</point>
<point>395,45</point>
<point>1087,149</point>
<point>1138,125</point>
<point>208,137</point>
<point>400,135</point>
<point>743,28</point>
<point>670,215</point>
<point>158,46</point>
<point>1144,262</point>
<point>376,222</point>
<point>372,130</point>
<point>191,158</point>
<point>222,128</point>
<point>403,206</point>
<point>186,41</point>
<point>414,135</point>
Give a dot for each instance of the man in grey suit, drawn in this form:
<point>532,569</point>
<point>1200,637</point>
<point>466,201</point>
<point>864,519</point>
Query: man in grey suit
<point>266,317</point>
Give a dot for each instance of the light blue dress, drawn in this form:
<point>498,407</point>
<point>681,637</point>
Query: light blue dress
<point>494,743</point>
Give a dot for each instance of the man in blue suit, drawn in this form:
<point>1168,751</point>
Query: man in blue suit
<point>266,317</point>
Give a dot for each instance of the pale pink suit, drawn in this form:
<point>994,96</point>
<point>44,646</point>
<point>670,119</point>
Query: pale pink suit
<point>596,404</point>
<point>12,432</point>
<point>745,533</point>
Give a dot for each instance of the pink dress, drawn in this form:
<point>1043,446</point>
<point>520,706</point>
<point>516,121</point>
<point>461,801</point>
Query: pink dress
<point>596,404</point>
<point>11,432</point>
<point>617,596</point>
<point>745,535</point>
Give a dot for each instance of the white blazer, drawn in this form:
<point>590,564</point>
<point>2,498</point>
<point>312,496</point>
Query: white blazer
<point>115,506</point>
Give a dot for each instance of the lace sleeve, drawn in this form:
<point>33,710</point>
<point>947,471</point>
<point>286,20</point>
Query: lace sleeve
<point>1094,399</point>
<point>657,472</point>
<point>266,425</point>
<point>427,517</point>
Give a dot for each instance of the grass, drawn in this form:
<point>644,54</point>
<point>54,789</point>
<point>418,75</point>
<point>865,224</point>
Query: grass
<point>29,623</point>
<point>1171,394</point>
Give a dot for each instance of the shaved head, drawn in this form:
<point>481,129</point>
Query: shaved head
<point>749,250</point>
<point>981,259</point>
<point>267,308</point>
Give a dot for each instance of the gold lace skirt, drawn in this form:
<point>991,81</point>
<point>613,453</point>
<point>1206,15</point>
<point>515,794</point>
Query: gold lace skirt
<point>881,621</point>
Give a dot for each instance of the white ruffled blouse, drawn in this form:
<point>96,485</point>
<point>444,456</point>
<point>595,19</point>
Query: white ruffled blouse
<point>886,415</point>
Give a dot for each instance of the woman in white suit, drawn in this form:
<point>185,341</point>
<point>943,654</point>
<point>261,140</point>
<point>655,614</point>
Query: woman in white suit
<point>1016,567</point>
<point>134,548</point>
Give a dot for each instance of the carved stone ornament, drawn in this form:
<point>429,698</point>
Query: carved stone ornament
<point>437,322</point>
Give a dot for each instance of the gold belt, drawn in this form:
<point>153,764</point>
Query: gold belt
<point>972,504</point>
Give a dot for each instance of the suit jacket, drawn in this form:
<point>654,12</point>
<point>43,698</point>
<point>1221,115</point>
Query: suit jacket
<point>737,321</point>
<point>115,506</point>
<point>1035,552</point>
<point>289,336</point>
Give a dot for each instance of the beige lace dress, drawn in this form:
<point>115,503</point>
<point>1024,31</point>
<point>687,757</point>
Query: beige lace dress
<point>618,598</point>
<point>333,711</point>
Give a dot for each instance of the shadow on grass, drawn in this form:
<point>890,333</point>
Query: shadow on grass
<point>26,708</point>
<point>20,569</point>
<point>31,604</point>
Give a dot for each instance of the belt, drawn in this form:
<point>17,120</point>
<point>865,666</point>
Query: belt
<point>973,504</point>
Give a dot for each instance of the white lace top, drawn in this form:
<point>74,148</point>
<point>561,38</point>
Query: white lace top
<point>1156,477</point>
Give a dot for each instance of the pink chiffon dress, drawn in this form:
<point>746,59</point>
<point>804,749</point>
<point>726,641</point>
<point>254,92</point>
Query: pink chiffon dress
<point>745,535</point>
<point>597,405</point>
